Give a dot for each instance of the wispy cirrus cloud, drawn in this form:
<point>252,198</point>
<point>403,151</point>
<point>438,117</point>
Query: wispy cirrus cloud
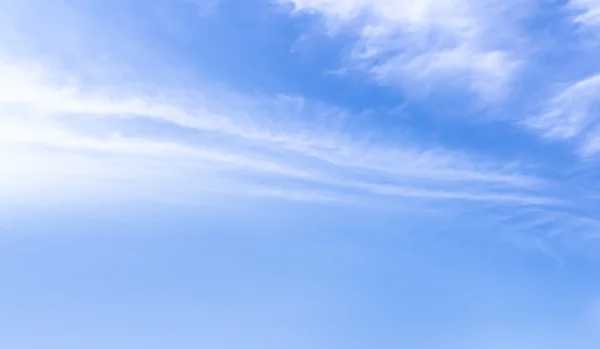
<point>587,12</point>
<point>38,111</point>
<point>116,102</point>
<point>454,42</point>
<point>64,136</point>
<point>572,115</point>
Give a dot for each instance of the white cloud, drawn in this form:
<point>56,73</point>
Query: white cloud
<point>38,111</point>
<point>573,115</point>
<point>63,137</point>
<point>406,41</point>
<point>587,12</point>
<point>28,87</point>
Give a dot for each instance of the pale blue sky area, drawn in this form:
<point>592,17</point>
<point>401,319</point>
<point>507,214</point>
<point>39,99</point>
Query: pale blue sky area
<point>358,174</point>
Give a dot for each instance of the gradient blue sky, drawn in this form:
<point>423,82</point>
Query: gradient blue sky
<point>354,174</point>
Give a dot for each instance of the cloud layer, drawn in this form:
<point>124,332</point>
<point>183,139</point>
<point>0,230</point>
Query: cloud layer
<point>573,115</point>
<point>587,12</point>
<point>470,43</point>
<point>270,141</point>
<point>64,136</point>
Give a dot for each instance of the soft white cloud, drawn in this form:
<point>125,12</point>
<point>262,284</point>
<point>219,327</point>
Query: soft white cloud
<point>42,110</point>
<point>573,115</point>
<point>64,137</point>
<point>407,41</point>
<point>28,87</point>
<point>587,12</point>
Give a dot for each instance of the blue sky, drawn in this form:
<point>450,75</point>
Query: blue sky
<point>353,174</point>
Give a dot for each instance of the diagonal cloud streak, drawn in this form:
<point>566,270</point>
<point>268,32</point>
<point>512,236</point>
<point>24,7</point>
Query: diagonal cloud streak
<point>37,111</point>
